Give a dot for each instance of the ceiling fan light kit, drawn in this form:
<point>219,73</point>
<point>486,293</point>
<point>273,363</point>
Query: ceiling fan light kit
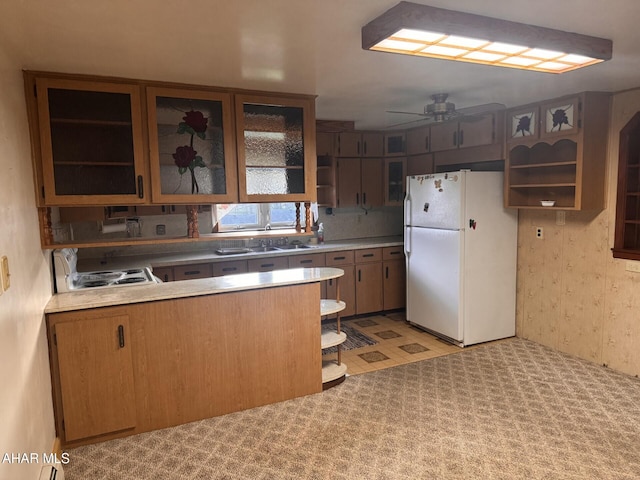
<point>425,31</point>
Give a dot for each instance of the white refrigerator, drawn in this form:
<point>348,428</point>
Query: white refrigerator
<point>461,248</point>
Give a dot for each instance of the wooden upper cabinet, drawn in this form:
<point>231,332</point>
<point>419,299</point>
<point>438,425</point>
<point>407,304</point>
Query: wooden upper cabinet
<point>474,131</point>
<point>91,142</point>
<point>372,144</point>
<point>395,173</point>
<point>360,182</point>
<point>556,150</point>
<point>276,148</point>
<point>418,140</point>
<point>544,121</point>
<point>395,144</point>
<point>359,144</point>
<point>191,146</point>
<point>325,144</point>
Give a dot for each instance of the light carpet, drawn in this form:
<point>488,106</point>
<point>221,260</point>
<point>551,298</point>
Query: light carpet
<point>507,410</point>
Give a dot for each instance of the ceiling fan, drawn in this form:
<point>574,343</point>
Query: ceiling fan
<point>441,111</point>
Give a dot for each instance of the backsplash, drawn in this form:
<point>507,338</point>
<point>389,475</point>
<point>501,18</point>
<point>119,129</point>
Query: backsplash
<point>347,223</point>
<point>341,224</point>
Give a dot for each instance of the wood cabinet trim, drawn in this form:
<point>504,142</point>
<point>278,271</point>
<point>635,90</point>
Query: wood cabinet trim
<point>230,165</point>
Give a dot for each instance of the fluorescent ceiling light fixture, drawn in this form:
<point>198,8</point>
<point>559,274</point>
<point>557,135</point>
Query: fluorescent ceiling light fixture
<point>425,31</point>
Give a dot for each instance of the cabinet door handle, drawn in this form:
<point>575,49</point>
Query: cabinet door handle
<point>192,272</point>
<point>365,147</point>
<point>358,148</point>
<point>461,137</point>
<point>395,252</point>
<point>229,269</point>
<point>166,277</point>
<point>367,255</point>
<point>364,198</point>
<point>266,265</point>
<point>121,336</point>
<point>140,187</point>
<point>386,272</point>
<point>359,275</point>
<point>339,258</point>
<point>306,261</point>
<point>331,282</point>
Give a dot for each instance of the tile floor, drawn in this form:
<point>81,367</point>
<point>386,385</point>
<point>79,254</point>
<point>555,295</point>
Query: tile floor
<point>398,343</point>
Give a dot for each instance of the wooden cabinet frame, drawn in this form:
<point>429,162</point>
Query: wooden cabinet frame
<point>309,144</point>
<point>230,166</point>
<point>40,116</point>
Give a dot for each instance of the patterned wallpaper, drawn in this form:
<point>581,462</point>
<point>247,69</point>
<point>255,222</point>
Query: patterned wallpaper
<point>572,295</point>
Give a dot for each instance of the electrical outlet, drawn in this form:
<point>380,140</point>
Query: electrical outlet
<point>4,273</point>
<point>539,232</point>
<point>632,267</point>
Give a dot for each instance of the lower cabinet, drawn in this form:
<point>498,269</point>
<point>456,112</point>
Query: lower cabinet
<point>164,273</point>
<point>119,371</point>
<point>190,272</point>
<point>373,281</point>
<point>93,373</point>
<point>229,268</point>
<point>394,279</point>
<point>345,261</point>
<point>267,264</point>
<point>369,280</point>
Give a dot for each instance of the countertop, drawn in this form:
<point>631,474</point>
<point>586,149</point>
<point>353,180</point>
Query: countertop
<point>104,297</point>
<point>185,258</point>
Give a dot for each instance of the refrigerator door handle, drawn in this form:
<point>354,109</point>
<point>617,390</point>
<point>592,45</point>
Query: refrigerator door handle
<point>407,210</point>
<point>407,242</point>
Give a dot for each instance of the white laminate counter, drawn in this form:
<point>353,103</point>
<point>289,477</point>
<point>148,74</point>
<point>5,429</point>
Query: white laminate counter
<point>185,258</point>
<point>105,297</point>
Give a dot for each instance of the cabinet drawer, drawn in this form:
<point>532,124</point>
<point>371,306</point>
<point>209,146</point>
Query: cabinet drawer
<point>229,268</point>
<point>307,261</point>
<point>189,272</point>
<point>369,255</point>
<point>164,273</point>
<point>339,258</point>
<point>267,264</point>
<point>393,253</point>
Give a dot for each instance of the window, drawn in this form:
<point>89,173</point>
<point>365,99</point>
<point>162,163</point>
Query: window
<point>253,216</point>
<point>627,238</point>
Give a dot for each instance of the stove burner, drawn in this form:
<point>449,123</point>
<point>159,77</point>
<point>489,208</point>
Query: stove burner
<point>136,271</point>
<point>131,280</point>
<point>95,283</point>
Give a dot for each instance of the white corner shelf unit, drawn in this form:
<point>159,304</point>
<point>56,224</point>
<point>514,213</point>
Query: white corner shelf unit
<point>334,370</point>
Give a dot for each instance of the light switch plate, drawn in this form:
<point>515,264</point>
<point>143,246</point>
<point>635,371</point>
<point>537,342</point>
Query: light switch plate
<point>4,273</point>
<point>632,267</point>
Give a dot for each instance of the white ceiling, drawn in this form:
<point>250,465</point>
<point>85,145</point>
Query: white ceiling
<point>307,46</point>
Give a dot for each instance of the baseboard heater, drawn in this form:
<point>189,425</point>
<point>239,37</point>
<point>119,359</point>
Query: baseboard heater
<point>49,472</point>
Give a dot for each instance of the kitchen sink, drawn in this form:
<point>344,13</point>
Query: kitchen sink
<point>232,251</point>
<point>263,249</point>
<point>293,246</point>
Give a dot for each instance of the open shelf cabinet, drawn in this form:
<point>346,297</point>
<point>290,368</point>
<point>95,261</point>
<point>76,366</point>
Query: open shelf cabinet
<point>334,370</point>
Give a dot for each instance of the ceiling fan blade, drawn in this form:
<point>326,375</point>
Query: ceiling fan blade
<point>408,113</point>
<point>484,108</point>
<point>421,120</point>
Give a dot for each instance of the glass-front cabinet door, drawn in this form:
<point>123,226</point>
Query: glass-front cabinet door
<point>522,125</point>
<point>90,142</point>
<point>560,117</point>
<point>276,148</point>
<point>191,146</point>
